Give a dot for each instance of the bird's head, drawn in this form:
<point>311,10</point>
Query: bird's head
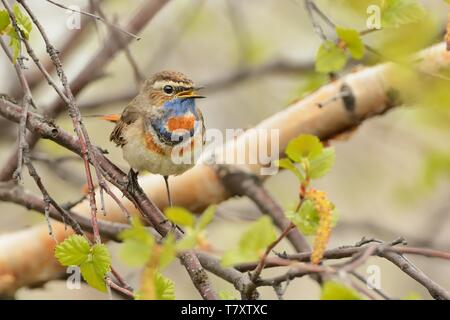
<point>166,86</point>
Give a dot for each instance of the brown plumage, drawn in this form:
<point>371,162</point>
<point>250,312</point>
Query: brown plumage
<point>148,128</point>
<point>148,98</point>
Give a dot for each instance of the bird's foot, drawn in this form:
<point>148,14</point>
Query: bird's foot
<point>132,184</point>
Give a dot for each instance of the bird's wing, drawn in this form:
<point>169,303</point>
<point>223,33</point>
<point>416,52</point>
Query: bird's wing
<point>129,115</point>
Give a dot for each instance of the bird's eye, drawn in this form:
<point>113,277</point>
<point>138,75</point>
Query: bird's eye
<point>168,89</point>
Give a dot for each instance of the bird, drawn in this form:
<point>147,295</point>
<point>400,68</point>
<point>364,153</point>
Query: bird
<point>161,130</point>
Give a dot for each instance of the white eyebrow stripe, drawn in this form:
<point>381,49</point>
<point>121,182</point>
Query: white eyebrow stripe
<point>160,84</point>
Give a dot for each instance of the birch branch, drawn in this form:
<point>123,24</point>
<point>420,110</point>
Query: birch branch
<point>368,93</point>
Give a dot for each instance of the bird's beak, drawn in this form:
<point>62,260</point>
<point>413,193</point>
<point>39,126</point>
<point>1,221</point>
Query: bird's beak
<point>190,94</point>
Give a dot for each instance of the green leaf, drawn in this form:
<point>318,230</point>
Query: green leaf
<point>312,82</point>
<point>23,22</point>
<point>435,167</point>
<point>224,295</point>
<point>180,216</point>
<point>258,236</point>
<point>168,251</point>
<point>332,290</point>
<point>330,58</point>
<point>137,232</point>
<point>206,217</point>
<point>165,288</point>
<point>134,253</point>
<point>304,146</point>
<point>4,20</point>
<point>137,244</point>
<point>72,251</point>
<point>334,217</point>
<point>398,12</point>
<point>189,240</point>
<point>252,243</point>
<point>286,163</point>
<point>320,165</point>
<point>236,256</point>
<point>96,267</point>
<point>306,219</point>
<point>14,44</point>
<point>412,296</point>
<point>92,277</point>
<point>101,258</point>
<point>352,41</point>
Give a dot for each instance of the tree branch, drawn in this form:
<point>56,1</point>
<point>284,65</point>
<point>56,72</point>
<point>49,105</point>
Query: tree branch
<point>371,89</point>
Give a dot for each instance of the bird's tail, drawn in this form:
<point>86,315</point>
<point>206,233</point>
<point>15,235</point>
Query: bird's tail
<point>108,117</point>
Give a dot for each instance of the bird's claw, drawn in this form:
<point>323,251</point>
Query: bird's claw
<point>132,184</point>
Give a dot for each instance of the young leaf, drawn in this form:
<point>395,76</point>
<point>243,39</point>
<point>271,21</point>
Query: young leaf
<point>252,243</point>
<point>306,219</point>
<point>286,163</point>
<point>330,58</point>
<point>167,251</point>
<point>134,253</point>
<point>206,217</point>
<point>180,216</point>
<point>236,256</point>
<point>304,146</point>
<point>101,258</point>
<point>4,20</point>
<point>92,277</point>
<point>137,232</point>
<point>312,82</point>
<point>155,286</point>
<point>332,290</point>
<point>258,236</point>
<point>412,296</point>
<point>398,12</point>
<point>189,240</point>
<point>320,165</point>
<point>96,267</point>
<point>14,43</point>
<point>72,251</point>
<point>224,295</point>
<point>23,22</point>
<point>137,244</point>
<point>165,288</point>
<point>352,41</point>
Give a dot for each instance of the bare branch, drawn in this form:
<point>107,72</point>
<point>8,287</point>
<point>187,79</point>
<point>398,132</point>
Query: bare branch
<point>114,175</point>
<point>97,18</point>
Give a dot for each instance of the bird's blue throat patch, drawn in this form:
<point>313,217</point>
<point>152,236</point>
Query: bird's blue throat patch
<point>175,109</point>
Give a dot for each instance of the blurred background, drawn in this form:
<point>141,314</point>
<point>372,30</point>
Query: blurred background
<point>255,57</point>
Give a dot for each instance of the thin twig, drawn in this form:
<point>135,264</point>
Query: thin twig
<point>310,7</point>
<point>96,18</point>
<point>138,75</point>
<point>363,280</point>
<point>75,115</point>
<point>114,175</point>
<point>26,101</point>
<point>114,286</point>
<point>240,183</point>
<point>268,250</point>
<point>108,230</point>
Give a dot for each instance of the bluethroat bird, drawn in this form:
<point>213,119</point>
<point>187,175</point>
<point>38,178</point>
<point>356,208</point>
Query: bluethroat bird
<point>161,130</point>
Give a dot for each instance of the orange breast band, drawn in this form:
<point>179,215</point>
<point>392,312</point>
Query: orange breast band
<point>151,145</point>
<point>183,122</point>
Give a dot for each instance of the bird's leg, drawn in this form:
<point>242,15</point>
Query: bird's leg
<point>132,180</point>
<point>166,180</point>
